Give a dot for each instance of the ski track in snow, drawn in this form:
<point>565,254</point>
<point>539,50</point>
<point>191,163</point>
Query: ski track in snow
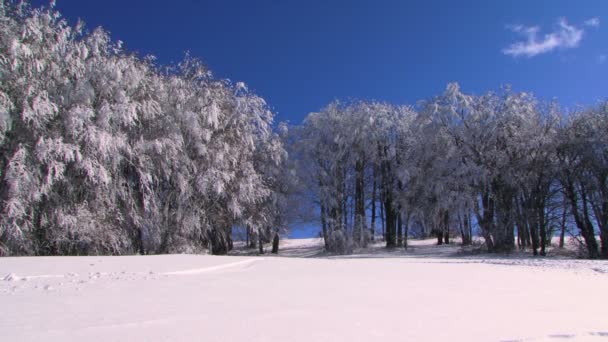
<point>578,337</point>
<point>214,268</point>
<point>13,282</point>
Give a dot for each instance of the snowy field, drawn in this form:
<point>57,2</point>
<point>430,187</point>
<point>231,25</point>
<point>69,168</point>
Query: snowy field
<point>370,296</point>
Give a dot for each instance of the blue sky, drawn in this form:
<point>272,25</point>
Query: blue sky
<point>300,55</point>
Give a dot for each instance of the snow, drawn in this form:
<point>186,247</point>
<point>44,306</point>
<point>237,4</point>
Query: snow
<point>12,277</point>
<point>372,295</point>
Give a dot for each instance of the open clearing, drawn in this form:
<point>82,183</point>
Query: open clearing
<point>369,296</point>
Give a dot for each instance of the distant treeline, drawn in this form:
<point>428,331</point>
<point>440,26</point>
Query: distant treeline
<point>505,165</point>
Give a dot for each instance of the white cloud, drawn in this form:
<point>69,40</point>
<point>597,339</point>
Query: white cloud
<point>592,22</point>
<point>565,36</point>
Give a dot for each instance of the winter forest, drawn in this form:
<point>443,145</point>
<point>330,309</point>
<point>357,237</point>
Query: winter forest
<point>105,152</point>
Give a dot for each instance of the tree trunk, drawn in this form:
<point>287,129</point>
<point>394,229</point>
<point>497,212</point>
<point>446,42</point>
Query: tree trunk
<point>562,233</point>
<point>260,244</point>
<point>533,228</point>
<point>391,223</point>
<point>324,226</point>
<point>253,238</point>
<point>446,227</point>
<point>581,222</point>
<point>359,204</point>
<point>382,221</point>
<point>461,229</point>
<point>588,223</point>
<point>390,219</point>
<point>399,229</point>
<point>542,225</point>
<point>464,227</point>
<point>503,231</point>
<point>373,223</point>
<point>599,204</point>
<point>407,229</point>
<point>344,203</point>
<point>41,243</point>
<point>470,224</point>
<point>275,243</point>
<point>219,241</point>
<point>486,218</point>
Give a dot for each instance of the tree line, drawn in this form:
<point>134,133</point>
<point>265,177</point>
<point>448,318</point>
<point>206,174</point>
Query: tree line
<point>106,152</point>
<point>513,169</point>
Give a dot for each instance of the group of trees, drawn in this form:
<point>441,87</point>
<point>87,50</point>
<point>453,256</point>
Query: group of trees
<point>501,164</point>
<point>102,151</point>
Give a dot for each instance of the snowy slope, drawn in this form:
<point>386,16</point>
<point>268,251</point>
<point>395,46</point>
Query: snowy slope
<point>210,298</point>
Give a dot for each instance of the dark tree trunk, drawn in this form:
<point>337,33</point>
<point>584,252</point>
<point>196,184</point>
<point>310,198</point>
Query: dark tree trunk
<point>588,223</point>
<point>260,244</point>
<point>463,236</point>
<point>391,223</point>
<point>253,238</point>
<point>529,232</point>
<point>532,225</point>
<point>486,219</point>
<point>406,229</point>
<point>382,221</point>
<point>344,201</point>
<point>359,203</point>
<point>373,223</point>
<point>521,240</point>
<point>446,227</point>
<point>604,225</point>
<point>527,235</point>
<point>387,197</point>
<point>466,230</point>
<point>524,221</point>
<point>337,208</point>
<point>470,225</point>
<point>141,242</point>
<point>219,242</point>
<point>275,243</point>
<point>542,225</point>
<point>562,233</point>
<point>324,226</point>
<point>399,229</point>
<point>599,204</point>
<point>41,242</point>
<point>503,231</point>
<point>581,222</point>
<point>519,245</point>
<point>229,239</point>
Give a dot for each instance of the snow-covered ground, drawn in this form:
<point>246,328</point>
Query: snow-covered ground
<point>372,295</point>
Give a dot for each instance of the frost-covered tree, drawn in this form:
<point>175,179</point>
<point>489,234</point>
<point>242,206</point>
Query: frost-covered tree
<point>582,148</point>
<point>348,154</point>
<point>501,163</point>
<point>106,152</point>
